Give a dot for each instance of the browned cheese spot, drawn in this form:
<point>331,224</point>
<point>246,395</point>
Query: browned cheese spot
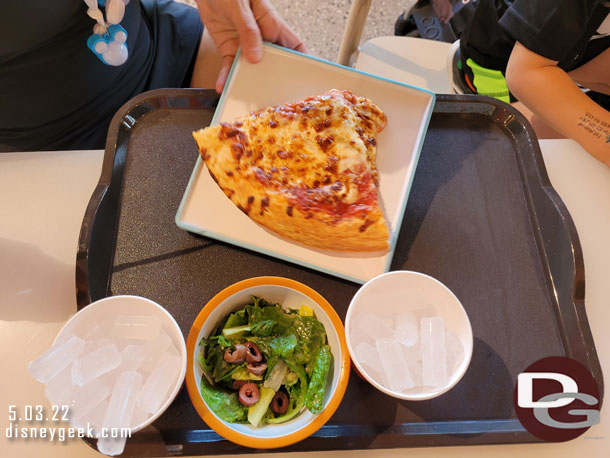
<point>250,200</point>
<point>365,120</point>
<point>273,123</point>
<point>319,127</point>
<point>332,165</point>
<point>264,204</point>
<point>238,150</point>
<point>365,225</point>
<point>289,210</point>
<point>229,173</point>
<point>325,142</point>
<point>227,131</point>
<point>316,183</point>
<point>261,176</point>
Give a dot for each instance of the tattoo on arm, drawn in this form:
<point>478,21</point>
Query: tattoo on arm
<point>595,126</point>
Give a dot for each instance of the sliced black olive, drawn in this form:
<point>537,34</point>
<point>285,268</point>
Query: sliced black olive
<point>253,354</point>
<point>248,394</point>
<point>256,368</point>
<point>236,356</point>
<point>279,403</point>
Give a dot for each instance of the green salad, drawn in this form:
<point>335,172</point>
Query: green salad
<point>263,364</point>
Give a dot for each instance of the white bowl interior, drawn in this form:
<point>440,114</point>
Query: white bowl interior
<point>288,298</point>
<point>397,291</point>
<point>84,320</point>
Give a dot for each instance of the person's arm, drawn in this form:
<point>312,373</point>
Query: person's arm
<point>553,96</point>
<point>594,74</point>
<point>232,23</point>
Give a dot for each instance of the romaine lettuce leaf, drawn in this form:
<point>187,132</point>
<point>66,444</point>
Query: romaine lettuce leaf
<point>276,346</point>
<point>311,336</point>
<point>222,403</point>
<point>236,319</point>
<point>317,383</point>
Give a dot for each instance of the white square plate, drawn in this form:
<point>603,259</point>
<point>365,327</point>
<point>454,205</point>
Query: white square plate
<point>285,76</point>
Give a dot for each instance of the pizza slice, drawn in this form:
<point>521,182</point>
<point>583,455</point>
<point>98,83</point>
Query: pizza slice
<point>305,170</point>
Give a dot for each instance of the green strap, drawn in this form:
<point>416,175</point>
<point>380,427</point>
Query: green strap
<point>489,82</point>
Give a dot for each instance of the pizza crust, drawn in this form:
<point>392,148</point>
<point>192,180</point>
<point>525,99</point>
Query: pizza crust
<point>266,193</point>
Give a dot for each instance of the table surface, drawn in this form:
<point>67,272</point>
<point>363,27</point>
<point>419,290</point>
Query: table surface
<point>43,196</point>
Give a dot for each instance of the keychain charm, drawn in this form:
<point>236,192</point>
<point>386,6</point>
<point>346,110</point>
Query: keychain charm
<point>108,41</point>
<point>110,48</point>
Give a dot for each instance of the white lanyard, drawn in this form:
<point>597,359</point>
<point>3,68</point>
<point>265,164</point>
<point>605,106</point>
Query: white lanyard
<point>108,41</point>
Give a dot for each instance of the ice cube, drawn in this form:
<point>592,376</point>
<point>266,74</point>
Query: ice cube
<point>94,344</point>
<point>95,363</point>
<point>56,358</point>
<point>85,398</point>
<point>434,359</point>
<point>425,311</point>
<point>412,354</point>
<point>405,328</point>
<point>366,355</point>
<point>93,419</point>
<point>123,400</point>
<point>415,369</point>
<point>141,357</point>
<point>455,352</point>
<point>357,335</point>
<point>111,446</point>
<point>374,326</point>
<point>394,365</point>
<point>136,327</point>
<point>158,384</point>
<point>134,356</point>
<point>59,387</point>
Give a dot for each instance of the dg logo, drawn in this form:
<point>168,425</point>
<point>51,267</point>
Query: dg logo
<point>557,399</point>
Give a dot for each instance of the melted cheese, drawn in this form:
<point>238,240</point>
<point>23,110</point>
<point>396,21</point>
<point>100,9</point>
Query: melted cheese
<point>320,152</point>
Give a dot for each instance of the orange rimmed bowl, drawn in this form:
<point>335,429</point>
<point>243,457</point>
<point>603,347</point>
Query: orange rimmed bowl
<point>290,294</point>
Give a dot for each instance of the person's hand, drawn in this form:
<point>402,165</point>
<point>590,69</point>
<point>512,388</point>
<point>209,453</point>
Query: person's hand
<point>232,23</point>
<point>443,10</point>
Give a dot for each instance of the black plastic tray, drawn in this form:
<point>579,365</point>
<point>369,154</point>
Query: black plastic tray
<point>482,218</point>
